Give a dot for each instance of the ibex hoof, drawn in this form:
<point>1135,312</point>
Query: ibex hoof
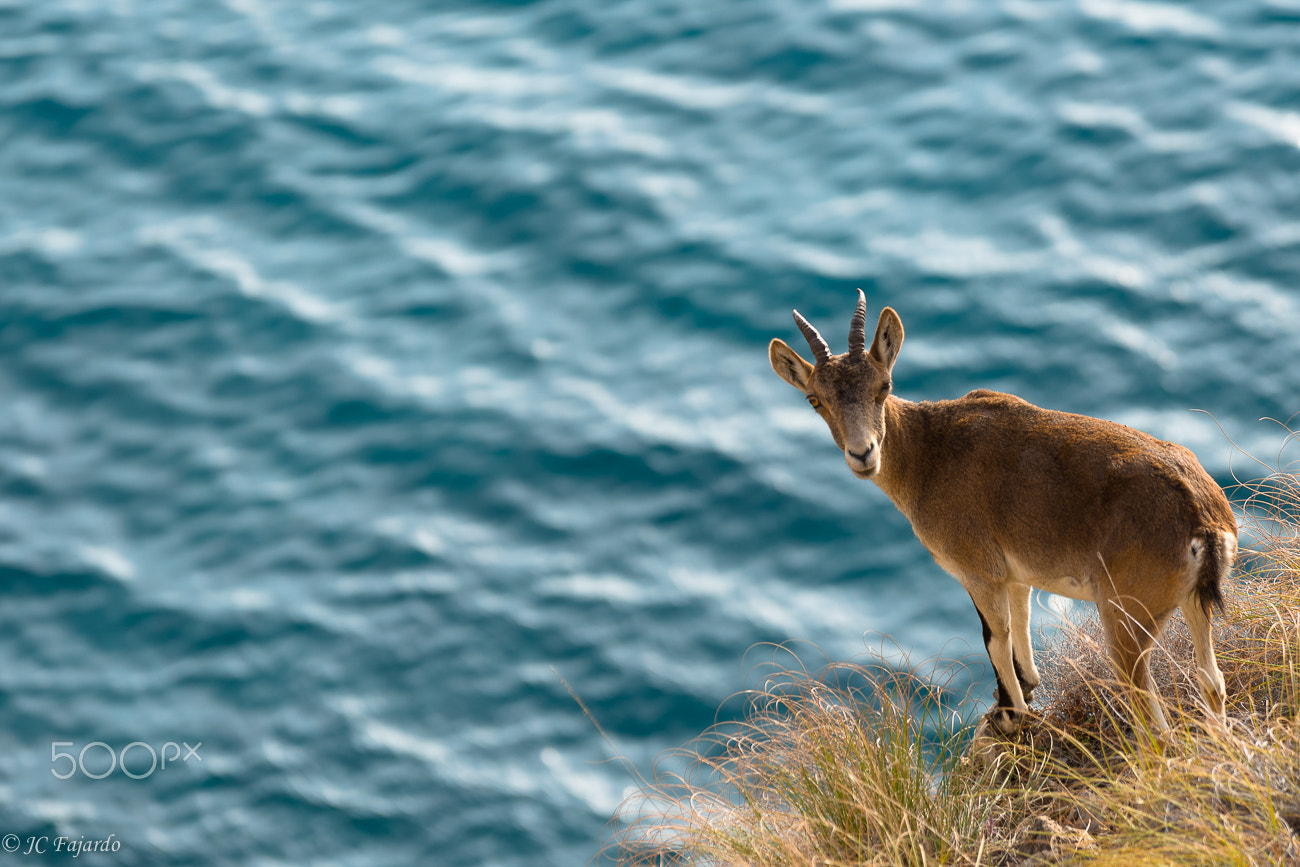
<point>992,735</point>
<point>1005,721</point>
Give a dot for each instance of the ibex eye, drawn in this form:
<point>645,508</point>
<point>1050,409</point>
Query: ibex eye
<point>813,401</point>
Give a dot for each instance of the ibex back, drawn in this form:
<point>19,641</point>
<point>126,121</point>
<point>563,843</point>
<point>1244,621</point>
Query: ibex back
<point>1007,496</point>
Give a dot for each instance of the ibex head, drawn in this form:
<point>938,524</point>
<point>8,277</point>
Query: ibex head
<point>848,391</point>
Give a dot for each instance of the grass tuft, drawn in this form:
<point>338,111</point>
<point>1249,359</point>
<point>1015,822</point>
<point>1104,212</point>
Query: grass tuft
<point>869,765</point>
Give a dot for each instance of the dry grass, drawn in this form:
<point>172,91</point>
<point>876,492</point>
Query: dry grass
<point>858,765</point>
<point>840,766</point>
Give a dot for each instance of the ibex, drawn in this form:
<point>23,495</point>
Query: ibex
<point>1007,497</point>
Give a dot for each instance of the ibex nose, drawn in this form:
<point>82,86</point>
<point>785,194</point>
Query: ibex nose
<point>866,455</point>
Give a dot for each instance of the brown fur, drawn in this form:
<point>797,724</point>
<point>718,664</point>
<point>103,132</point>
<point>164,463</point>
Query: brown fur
<point>1006,495</point>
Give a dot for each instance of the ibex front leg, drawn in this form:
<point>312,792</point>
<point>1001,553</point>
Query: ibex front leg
<point>1022,641</point>
<point>994,608</point>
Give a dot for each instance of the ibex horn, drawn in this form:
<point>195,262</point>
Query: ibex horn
<point>858,327</point>
<point>821,351</point>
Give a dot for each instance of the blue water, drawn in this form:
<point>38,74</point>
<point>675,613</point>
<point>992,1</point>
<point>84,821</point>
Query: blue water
<point>367,368</point>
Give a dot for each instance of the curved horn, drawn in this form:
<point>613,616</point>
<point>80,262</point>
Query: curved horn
<point>858,327</point>
<point>821,351</point>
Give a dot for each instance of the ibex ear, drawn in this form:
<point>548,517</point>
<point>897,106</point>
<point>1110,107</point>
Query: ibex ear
<point>788,365</point>
<point>889,338</point>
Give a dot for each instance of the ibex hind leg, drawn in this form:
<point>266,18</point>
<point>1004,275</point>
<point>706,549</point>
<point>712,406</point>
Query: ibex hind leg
<point>1130,636</point>
<point>1208,676</point>
<point>1212,558</point>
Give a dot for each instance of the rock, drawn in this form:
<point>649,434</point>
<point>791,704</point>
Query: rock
<point>1085,813</point>
<point>1041,840</point>
<point>985,748</point>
